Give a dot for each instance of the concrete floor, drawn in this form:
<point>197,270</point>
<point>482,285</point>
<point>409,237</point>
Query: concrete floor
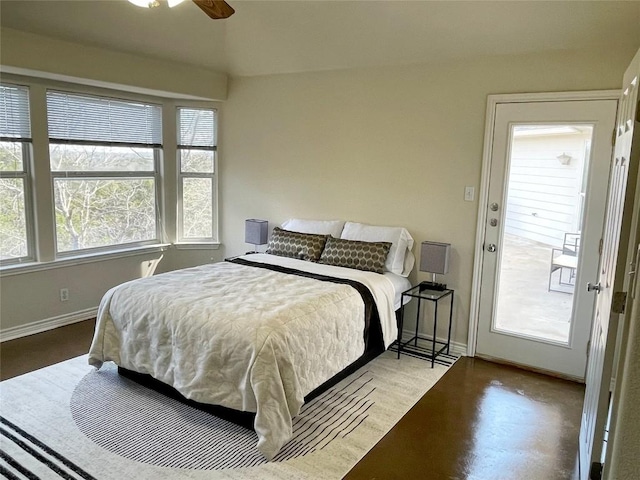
<point>525,305</point>
<point>483,421</point>
<point>26,354</point>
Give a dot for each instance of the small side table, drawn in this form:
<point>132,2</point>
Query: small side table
<point>423,292</point>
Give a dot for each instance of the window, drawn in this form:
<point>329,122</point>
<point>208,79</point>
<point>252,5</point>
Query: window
<point>104,156</point>
<point>16,238</point>
<point>197,168</point>
<point>99,165</point>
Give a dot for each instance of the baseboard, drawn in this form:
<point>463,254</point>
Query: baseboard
<point>456,348</point>
<point>47,324</point>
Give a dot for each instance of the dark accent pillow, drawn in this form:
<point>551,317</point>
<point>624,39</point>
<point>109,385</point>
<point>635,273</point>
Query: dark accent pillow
<point>367,256</point>
<point>303,246</point>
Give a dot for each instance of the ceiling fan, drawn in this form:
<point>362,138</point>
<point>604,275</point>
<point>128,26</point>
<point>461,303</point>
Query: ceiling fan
<point>214,8</point>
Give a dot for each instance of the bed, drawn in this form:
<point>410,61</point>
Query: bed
<point>257,334</point>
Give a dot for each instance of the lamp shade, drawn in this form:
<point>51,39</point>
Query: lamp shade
<point>434,257</point>
<point>256,231</point>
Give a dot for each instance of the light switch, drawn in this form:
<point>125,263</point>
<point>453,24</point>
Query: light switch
<point>469,194</point>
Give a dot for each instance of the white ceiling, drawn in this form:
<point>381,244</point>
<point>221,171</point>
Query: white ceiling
<point>267,37</point>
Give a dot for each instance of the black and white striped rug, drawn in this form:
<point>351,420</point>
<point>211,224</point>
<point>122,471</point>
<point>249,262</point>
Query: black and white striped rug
<point>71,422</point>
<point>13,469</point>
<point>143,425</point>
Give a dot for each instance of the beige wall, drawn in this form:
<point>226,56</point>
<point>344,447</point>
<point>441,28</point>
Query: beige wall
<point>35,296</point>
<point>383,146</point>
<point>24,52</point>
<point>30,302</point>
<point>28,298</point>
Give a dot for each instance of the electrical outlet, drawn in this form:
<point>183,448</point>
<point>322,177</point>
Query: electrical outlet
<point>64,294</point>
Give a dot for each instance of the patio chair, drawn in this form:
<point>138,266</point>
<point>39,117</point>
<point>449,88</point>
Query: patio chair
<point>565,258</point>
<point>571,244</point>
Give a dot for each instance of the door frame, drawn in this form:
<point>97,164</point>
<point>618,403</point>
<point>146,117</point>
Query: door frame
<point>483,198</point>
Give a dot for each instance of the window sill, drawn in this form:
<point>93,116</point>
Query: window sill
<point>196,246</point>
<point>22,268</point>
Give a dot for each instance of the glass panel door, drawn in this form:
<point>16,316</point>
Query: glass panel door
<point>545,190</point>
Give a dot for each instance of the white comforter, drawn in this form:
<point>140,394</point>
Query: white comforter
<point>245,338</point>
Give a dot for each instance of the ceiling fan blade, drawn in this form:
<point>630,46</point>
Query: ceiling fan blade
<point>215,8</point>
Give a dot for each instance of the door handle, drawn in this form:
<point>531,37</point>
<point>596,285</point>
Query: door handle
<point>491,247</point>
<point>594,288</point>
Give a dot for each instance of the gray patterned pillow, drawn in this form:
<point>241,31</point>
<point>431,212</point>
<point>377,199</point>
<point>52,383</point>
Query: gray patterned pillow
<point>368,256</point>
<point>303,246</point>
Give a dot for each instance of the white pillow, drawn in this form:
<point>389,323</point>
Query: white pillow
<point>401,243</point>
<point>323,227</point>
<point>409,262</point>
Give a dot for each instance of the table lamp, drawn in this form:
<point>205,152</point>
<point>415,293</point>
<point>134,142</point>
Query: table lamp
<point>434,258</point>
<point>256,232</point>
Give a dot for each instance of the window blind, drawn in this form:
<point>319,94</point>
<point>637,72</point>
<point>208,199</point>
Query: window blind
<point>84,118</point>
<point>14,112</point>
<point>197,128</point>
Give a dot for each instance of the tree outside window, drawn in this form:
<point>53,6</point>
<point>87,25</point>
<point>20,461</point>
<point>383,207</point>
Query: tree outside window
<point>103,195</point>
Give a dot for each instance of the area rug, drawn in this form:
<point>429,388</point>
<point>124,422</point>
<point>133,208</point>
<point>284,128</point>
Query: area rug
<point>73,422</point>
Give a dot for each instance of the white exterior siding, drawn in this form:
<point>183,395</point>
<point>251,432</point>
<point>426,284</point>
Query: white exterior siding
<point>544,197</point>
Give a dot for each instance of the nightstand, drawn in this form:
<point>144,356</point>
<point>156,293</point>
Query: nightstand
<point>423,293</point>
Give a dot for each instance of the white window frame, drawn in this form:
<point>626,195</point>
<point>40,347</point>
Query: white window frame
<point>26,176</point>
<point>41,210</point>
<point>110,175</point>
<point>181,176</point>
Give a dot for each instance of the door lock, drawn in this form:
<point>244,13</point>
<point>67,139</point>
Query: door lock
<point>594,288</point>
<point>491,247</point>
